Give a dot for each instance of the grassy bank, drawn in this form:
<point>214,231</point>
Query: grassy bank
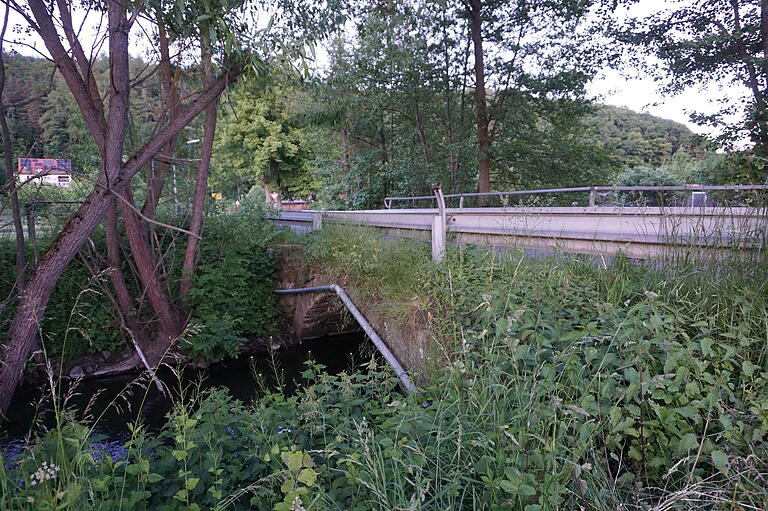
<point>553,384</point>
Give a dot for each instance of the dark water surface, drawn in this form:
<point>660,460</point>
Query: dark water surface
<point>116,409</point>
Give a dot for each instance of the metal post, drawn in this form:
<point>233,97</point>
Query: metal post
<point>31,234</point>
<point>461,201</point>
<point>592,196</point>
<point>439,225</point>
<point>317,221</point>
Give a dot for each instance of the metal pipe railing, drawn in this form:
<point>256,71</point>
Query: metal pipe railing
<point>383,349</point>
<point>591,189</point>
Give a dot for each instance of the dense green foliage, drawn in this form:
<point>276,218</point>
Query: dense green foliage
<point>231,299</point>
<point>647,176</point>
<point>643,139</point>
<point>258,142</point>
<point>557,384</point>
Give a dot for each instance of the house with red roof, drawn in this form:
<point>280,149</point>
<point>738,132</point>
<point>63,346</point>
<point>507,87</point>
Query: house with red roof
<point>49,171</point>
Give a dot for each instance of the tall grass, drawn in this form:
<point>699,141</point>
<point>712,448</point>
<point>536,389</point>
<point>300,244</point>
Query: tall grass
<point>555,384</point>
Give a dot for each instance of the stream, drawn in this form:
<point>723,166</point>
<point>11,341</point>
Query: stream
<point>239,376</point>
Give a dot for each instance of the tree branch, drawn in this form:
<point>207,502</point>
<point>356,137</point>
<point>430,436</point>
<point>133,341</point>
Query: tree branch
<point>91,113</point>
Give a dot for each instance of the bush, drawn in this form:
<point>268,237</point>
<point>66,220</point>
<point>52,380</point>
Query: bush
<point>647,176</point>
<point>232,297</point>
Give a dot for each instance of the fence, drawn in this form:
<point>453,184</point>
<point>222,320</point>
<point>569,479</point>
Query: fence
<point>593,192</point>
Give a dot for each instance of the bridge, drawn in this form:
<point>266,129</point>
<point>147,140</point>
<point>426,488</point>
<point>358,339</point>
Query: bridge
<point>638,232</point>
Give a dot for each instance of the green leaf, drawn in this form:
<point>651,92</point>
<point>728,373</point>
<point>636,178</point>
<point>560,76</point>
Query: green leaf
<point>192,483</point>
<point>308,476</point>
<point>153,478</point>
<point>288,486</point>
<point>292,460</point>
<point>720,460</point>
<point>687,411</point>
<point>508,486</point>
<point>686,443</point>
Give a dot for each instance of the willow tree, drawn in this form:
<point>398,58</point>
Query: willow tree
<point>224,37</point>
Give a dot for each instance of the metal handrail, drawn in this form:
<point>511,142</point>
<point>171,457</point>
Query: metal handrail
<point>591,189</point>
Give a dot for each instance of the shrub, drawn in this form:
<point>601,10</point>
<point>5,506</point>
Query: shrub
<point>647,176</point>
<point>232,296</point>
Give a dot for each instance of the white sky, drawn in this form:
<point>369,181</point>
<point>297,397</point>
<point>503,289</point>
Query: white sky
<point>639,92</point>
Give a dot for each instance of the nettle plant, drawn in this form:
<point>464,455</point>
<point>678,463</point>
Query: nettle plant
<point>232,298</point>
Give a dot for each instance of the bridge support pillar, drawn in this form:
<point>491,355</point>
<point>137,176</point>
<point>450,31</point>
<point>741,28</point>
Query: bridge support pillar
<point>439,225</point>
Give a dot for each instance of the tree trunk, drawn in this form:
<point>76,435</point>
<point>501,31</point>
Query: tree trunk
<point>32,301</point>
<point>169,322</point>
<point>10,175</point>
<point>156,173</point>
<point>482,119</point>
<point>201,184</point>
<point>123,299</point>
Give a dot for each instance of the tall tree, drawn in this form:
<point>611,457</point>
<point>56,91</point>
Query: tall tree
<point>231,40</point>
<point>712,42</point>
<point>536,47</point>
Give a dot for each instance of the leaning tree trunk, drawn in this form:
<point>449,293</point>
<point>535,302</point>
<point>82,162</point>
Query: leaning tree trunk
<point>34,298</point>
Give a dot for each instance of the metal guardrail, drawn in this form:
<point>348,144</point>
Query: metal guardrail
<point>593,190</point>
<point>638,232</point>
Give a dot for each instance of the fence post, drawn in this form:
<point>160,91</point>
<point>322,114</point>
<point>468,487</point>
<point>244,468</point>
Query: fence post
<point>592,196</point>
<point>31,234</point>
<point>439,225</point>
<point>438,239</point>
<point>317,221</point>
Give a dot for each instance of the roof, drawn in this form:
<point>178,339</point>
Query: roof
<point>44,166</point>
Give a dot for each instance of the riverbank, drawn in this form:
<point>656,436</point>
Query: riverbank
<point>550,384</point>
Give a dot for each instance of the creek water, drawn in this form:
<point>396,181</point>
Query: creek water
<point>115,407</point>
